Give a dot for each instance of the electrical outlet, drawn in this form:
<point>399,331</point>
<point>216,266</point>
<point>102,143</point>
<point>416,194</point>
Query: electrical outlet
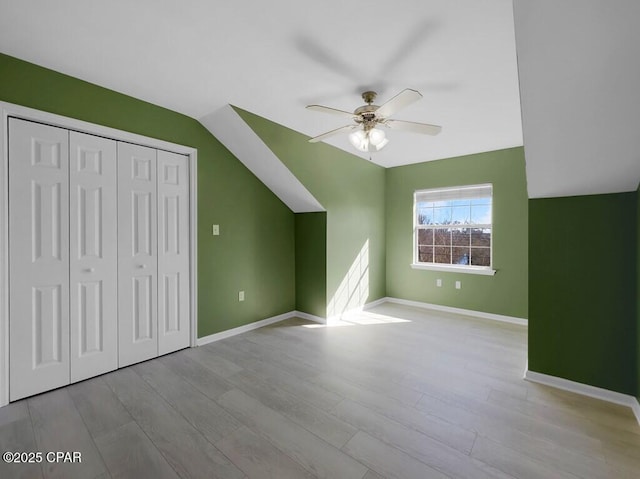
<point>241,296</point>
<point>458,284</point>
<point>215,230</point>
<point>439,283</point>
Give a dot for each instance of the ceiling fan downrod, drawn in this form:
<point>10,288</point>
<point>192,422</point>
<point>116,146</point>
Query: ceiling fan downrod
<point>369,96</point>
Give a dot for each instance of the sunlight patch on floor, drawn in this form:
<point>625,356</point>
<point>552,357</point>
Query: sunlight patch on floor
<point>360,318</point>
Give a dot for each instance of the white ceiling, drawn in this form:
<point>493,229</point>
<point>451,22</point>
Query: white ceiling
<point>272,58</point>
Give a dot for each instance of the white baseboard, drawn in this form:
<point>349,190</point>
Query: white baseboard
<point>375,303</point>
<point>281,317</point>
<point>337,318</point>
<point>244,328</point>
<point>354,311</point>
<point>585,390</point>
<point>465,312</point>
<point>310,317</point>
<point>636,409</point>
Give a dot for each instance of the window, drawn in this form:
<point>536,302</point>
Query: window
<point>452,229</point>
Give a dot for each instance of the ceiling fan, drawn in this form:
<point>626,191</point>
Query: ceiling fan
<point>365,134</point>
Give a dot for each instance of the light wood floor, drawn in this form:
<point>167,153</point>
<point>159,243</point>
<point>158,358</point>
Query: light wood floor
<point>400,393</point>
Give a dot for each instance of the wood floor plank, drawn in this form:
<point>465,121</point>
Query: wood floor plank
<point>503,425</point>
<point>258,458</point>
<point>316,455</point>
<point>367,369</point>
<point>447,432</point>
<point>622,457</point>
<point>388,460</point>
<point>17,436</point>
<point>128,452</point>
<point>462,382</point>
<point>207,357</point>
<point>595,410</point>
<point>593,425</point>
<point>58,426</point>
<point>373,475</point>
<point>287,373</point>
<point>242,351</point>
<point>431,452</point>
<point>620,471</point>
<point>200,411</point>
<point>13,412</point>
<point>203,379</point>
<point>314,420</point>
<point>305,390</point>
<point>100,409</point>
<point>186,450</point>
<point>390,388</point>
<point>515,463</point>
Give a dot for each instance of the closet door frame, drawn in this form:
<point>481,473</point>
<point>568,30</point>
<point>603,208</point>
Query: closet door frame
<point>8,110</point>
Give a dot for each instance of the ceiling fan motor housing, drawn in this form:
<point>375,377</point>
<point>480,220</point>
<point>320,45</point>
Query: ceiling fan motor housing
<point>366,114</point>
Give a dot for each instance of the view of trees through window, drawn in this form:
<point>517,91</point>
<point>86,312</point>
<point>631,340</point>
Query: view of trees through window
<point>454,231</point>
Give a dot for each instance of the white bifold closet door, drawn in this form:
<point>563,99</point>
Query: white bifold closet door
<point>138,254</point>
<point>98,255</point>
<point>173,252</point>
<point>153,272</point>
<point>39,258</point>
<point>93,255</point>
<point>62,242</point>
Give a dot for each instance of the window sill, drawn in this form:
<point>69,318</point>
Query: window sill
<point>455,269</point>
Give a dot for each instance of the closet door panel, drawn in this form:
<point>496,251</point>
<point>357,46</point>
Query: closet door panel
<point>173,252</point>
<point>93,256</point>
<point>39,258</point>
<point>137,254</point>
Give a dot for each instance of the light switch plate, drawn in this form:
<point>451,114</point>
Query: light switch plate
<point>439,283</point>
<point>215,230</point>
<point>458,285</point>
<point>241,296</point>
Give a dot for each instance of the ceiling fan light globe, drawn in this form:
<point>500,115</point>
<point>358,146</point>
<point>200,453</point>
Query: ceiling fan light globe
<point>377,137</point>
<point>379,146</point>
<point>382,144</point>
<point>364,146</point>
<point>359,140</point>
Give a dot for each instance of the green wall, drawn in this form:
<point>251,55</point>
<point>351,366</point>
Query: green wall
<point>311,263</point>
<point>582,289</point>
<point>353,192</point>
<point>506,292</point>
<point>255,250</point>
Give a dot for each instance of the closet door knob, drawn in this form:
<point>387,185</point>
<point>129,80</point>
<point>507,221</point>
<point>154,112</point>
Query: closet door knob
<point>142,266</point>
<point>89,270</point>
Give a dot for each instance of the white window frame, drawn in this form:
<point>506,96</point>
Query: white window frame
<point>454,268</point>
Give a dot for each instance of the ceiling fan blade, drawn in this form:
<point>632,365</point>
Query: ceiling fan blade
<point>414,127</point>
<point>333,111</point>
<point>404,98</point>
<point>332,133</point>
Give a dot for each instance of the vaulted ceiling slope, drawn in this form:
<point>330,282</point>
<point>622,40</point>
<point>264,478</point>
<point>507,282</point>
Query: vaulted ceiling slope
<point>580,89</point>
<point>232,131</point>
<point>274,58</point>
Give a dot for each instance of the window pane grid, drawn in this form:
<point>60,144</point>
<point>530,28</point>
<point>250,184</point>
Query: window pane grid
<point>462,246</point>
<point>453,227</point>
